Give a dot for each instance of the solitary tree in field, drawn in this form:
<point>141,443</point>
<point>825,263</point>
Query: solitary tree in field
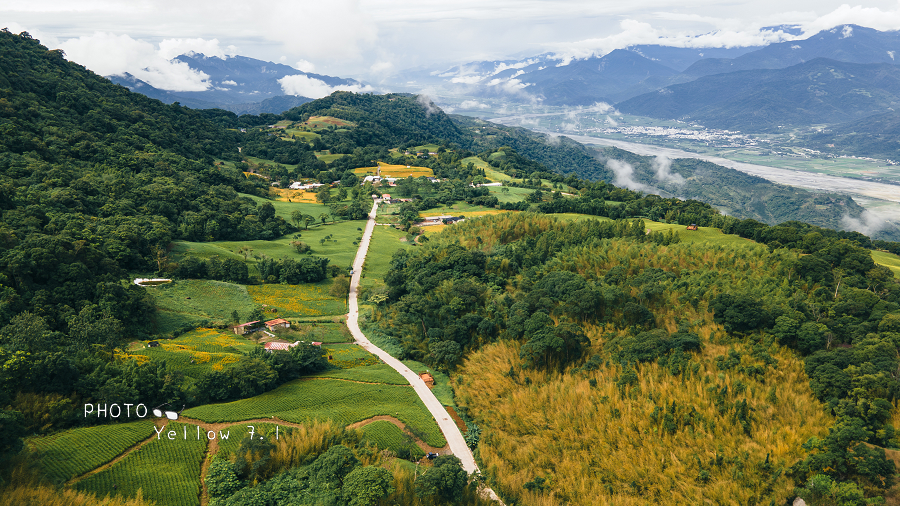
<point>323,217</point>
<point>309,219</point>
<point>245,250</point>
<point>296,217</point>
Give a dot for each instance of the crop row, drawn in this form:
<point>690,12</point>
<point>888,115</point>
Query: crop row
<point>74,452</point>
<point>386,435</point>
<point>345,402</point>
<point>167,471</point>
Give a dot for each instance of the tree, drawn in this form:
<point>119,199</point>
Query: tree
<point>309,219</point>
<point>445,481</point>
<point>234,317</point>
<point>296,217</point>
<point>366,486</point>
<point>330,469</point>
<point>323,197</point>
<point>221,480</point>
<point>323,217</point>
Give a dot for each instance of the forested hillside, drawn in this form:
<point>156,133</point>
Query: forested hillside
<point>605,366</point>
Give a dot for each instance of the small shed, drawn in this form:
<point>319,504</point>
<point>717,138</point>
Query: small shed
<point>245,328</point>
<point>693,226</point>
<point>153,344</point>
<point>428,379</point>
<point>278,323</point>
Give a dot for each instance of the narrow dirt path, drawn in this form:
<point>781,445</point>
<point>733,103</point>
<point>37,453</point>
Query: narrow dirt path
<point>452,434</point>
<point>387,418</point>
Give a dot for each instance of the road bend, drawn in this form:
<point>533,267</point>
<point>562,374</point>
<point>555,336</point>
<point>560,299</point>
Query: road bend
<point>454,437</point>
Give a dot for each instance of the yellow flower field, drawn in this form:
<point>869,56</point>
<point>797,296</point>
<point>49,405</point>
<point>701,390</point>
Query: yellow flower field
<point>286,194</point>
<point>396,170</point>
<point>298,300</point>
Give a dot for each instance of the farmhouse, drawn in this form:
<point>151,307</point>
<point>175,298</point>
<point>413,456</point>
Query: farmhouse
<point>278,323</point>
<point>272,346</point>
<point>428,379</point>
<point>297,185</point>
<point>245,328</point>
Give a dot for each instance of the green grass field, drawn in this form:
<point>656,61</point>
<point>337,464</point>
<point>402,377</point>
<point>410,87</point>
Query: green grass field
<point>329,158</point>
<point>260,161</point>
<point>74,452</point>
<point>442,389</point>
<point>388,436</point>
<point>199,351</point>
<point>349,355</point>
<point>704,234</point>
<point>321,332</point>
<point>889,260</point>
<point>189,302</point>
<point>345,402</point>
<point>384,243</point>
<point>511,194</point>
<point>167,471</point>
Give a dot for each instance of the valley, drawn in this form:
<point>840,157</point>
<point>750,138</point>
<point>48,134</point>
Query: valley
<point>365,300</point>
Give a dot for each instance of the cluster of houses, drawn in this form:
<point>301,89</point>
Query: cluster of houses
<point>246,328</point>
<point>439,220</point>
<point>297,185</point>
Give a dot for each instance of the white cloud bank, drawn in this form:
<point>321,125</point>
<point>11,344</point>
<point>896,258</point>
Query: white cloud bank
<point>309,87</point>
<point>110,54</point>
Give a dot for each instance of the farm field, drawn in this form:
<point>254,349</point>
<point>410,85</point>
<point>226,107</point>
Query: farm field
<point>349,355</point>
<point>199,351</point>
<point>512,194</point>
<point>334,240</point>
<point>328,158</point>
<point>166,471</point>
<point>314,331</point>
<point>889,260</point>
<point>396,170</point>
<point>310,299</point>
<point>386,435</point>
<point>384,243</point>
<point>343,401</point>
<point>187,302</point>
<point>296,196</point>
<point>255,162</point>
<point>377,373</point>
<point>704,234</point>
<point>326,121</point>
<point>285,209</point>
<point>74,452</point>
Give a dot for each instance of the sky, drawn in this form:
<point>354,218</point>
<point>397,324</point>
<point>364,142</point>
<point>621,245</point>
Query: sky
<point>373,39</point>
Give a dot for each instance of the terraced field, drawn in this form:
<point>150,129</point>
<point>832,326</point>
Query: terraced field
<point>343,401</point>
<point>72,453</point>
<point>166,471</point>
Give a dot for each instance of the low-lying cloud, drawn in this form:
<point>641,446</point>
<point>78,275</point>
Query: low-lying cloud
<point>625,175</point>
<point>426,102</point>
<point>309,87</point>
<point>867,223</point>
<point>663,168</point>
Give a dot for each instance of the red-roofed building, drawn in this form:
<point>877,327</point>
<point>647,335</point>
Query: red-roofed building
<point>278,323</point>
<point>280,346</point>
<point>245,327</point>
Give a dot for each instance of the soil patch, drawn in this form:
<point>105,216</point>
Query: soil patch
<point>458,419</point>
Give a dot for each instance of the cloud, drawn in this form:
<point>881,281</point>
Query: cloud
<point>867,223</point>
<point>625,175</point>
<point>381,67</point>
<point>611,121</point>
<point>663,167</point>
<point>229,83</point>
<point>872,17</point>
<point>170,48</point>
<point>309,87</point>
<point>473,104</point>
<point>426,102</point>
<point>109,54</point>
<point>305,66</point>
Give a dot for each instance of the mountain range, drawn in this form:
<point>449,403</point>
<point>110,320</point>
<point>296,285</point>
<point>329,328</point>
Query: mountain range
<point>239,84</point>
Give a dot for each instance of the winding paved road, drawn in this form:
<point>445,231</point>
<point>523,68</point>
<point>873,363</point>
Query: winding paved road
<point>451,432</point>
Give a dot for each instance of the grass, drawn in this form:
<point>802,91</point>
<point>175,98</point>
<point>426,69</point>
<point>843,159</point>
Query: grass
<point>704,234</point>
<point>325,121</point>
<point>349,355</point>
<point>311,299</point>
<point>187,302</point>
<point>344,402</point>
<point>329,157</point>
<point>166,471</point>
<point>74,452</point>
<point>511,194</point>
<point>199,351</point>
<point>321,332</point>
<point>388,436</point>
<point>888,260</point>
<point>599,445</point>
